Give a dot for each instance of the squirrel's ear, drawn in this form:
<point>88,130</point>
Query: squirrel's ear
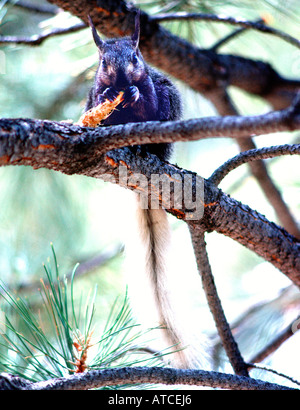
<point>97,39</point>
<point>136,35</point>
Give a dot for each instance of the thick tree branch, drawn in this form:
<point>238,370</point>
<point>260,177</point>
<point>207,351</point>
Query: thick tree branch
<point>33,142</point>
<point>72,149</point>
<point>221,213</point>
<point>137,375</point>
<point>260,172</point>
<point>203,70</point>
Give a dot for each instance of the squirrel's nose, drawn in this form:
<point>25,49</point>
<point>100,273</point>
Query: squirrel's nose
<point>121,80</point>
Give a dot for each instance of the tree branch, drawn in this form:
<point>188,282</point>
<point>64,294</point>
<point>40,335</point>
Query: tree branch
<point>252,155</point>
<point>275,344</point>
<point>38,137</point>
<point>203,70</point>
<point>260,172</point>
<point>228,20</point>
<point>230,37</point>
<point>72,149</point>
<point>288,299</point>
<point>269,369</point>
<point>38,39</point>
<point>222,214</point>
<point>214,303</point>
<point>137,375</point>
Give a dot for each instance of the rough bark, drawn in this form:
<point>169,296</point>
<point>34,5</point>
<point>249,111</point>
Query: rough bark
<point>134,375</point>
<point>204,70</point>
<point>75,150</point>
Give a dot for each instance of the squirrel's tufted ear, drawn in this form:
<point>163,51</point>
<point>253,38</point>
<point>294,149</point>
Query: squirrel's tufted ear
<point>136,35</point>
<point>99,43</point>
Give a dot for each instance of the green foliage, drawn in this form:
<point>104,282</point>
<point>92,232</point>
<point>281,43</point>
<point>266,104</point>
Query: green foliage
<point>61,337</point>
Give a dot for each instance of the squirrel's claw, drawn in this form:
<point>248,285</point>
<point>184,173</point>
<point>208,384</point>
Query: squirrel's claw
<point>109,94</point>
<point>131,95</point>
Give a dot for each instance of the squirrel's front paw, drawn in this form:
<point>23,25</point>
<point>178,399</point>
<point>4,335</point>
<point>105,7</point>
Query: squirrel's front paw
<point>131,95</point>
<point>108,94</point>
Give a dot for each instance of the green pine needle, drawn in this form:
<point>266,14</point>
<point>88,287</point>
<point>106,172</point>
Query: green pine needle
<point>61,339</point>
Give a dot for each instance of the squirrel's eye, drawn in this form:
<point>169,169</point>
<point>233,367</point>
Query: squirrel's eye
<point>104,64</point>
<point>134,59</point>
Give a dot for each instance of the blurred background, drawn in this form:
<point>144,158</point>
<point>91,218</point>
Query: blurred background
<point>83,217</point>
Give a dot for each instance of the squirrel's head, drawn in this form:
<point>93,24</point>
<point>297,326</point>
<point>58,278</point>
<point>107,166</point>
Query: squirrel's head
<point>121,63</point>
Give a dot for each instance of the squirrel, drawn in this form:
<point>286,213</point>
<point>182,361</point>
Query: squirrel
<point>148,96</point>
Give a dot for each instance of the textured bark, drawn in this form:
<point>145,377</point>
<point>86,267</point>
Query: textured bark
<point>36,142</point>
<point>225,215</point>
<point>75,150</point>
<point>230,345</point>
<point>135,375</point>
<point>203,70</point>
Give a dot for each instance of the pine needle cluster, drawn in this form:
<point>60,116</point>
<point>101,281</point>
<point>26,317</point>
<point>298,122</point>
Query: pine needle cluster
<point>62,338</point>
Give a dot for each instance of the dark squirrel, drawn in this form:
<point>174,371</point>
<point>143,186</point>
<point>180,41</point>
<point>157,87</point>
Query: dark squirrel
<point>148,96</point>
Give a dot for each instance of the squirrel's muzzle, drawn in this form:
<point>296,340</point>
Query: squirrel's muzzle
<point>121,81</point>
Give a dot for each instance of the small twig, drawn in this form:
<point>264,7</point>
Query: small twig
<point>252,155</point>
<point>274,345</point>
<point>226,39</point>
<point>228,20</point>
<point>269,369</point>
<point>287,299</point>
<point>214,303</point>
<point>38,39</point>
<point>230,37</point>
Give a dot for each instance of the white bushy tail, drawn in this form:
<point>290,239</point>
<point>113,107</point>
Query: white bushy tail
<point>149,285</point>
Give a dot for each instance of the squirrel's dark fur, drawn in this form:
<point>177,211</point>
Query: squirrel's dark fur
<point>148,94</point>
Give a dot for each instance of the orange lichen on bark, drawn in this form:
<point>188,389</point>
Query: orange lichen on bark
<point>5,159</point>
<point>95,115</point>
<point>111,162</point>
<point>275,258</point>
<point>45,146</point>
<point>124,164</point>
<point>102,10</point>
